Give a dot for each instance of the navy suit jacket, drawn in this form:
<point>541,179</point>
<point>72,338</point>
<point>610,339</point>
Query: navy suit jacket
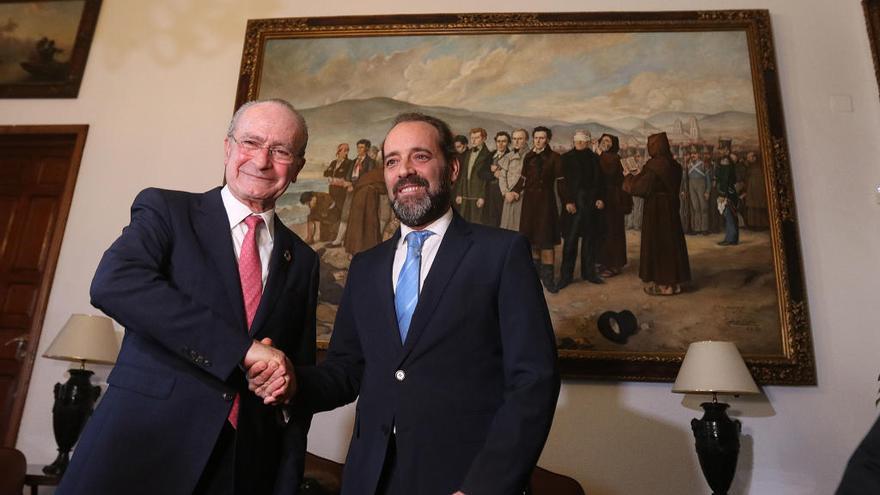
<point>171,279</point>
<point>862,474</point>
<point>473,390</point>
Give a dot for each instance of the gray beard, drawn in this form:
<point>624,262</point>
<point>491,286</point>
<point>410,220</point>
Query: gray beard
<point>412,213</point>
<point>426,209</point>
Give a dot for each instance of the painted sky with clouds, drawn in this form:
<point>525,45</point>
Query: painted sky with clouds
<point>571,77</point>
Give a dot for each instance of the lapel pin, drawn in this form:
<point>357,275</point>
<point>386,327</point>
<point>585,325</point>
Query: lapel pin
<point>287,255</point>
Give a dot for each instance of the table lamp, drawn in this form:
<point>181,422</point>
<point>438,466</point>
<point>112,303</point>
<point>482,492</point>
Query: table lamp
<point>712,367</point>
<point>84,338</point>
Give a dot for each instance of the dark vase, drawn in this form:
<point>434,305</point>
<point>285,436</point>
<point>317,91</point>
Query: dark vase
<point>717,440</point>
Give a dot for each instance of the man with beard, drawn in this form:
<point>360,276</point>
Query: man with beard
<point>444,332</point>
<point>494,200</point>
<point>470,195</point>
<point>582,219</point>
<point>509,172</point>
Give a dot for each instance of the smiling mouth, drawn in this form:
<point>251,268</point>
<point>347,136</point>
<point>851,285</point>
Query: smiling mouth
<point>410,189</point>
<point>256,177</point>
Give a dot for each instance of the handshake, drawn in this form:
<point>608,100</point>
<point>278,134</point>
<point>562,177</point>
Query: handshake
<point>270,373</point>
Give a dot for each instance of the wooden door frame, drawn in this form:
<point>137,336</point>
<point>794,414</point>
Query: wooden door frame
<point>79,133</point>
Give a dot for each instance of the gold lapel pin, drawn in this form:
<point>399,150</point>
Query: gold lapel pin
<point>287,255</point>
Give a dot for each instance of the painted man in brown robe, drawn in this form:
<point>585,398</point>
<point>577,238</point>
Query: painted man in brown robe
<point>663,259</point>
<point>363,221</point>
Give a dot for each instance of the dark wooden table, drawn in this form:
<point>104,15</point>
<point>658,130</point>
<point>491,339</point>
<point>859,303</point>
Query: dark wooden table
<point>35,478</point>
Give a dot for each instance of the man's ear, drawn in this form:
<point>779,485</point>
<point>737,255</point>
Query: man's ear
<point>456,168</point>
<point>298,164</point>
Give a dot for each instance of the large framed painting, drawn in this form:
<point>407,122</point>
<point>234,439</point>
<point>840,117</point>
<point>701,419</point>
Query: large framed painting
<point>44,45</point>
<point>707,79</point>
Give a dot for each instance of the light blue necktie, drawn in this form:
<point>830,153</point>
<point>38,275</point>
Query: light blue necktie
<point>407,295</point>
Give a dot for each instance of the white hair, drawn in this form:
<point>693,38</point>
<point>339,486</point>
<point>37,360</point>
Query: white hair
<point>303,129</point>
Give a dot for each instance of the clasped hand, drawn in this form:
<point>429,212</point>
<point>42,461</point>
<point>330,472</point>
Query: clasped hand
<point>270,373</point>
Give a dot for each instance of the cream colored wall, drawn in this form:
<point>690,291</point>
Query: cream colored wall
<point>159,88</point>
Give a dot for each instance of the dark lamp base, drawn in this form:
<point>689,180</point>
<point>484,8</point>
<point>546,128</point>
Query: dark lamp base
<point>717,440</point>
<point>74,402</point>
<point>59,465</point>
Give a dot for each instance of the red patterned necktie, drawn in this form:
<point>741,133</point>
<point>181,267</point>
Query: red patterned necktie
<point>251,274</point>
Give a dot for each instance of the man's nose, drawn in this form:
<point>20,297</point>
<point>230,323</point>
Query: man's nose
<point>405,168</point>
<point>261,158</point>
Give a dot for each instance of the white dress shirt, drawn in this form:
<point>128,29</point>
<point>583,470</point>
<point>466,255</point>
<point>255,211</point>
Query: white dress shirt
<point>429,248</point>
<point>236,211</point>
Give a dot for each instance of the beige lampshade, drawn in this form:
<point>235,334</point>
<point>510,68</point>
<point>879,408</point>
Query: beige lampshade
<point>714,367</point>
<point>85,338</point>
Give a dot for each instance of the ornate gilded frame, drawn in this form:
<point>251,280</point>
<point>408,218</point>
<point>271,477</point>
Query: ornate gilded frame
<point>68,85</point>
<point>795,365</point>
<point>872,22</point>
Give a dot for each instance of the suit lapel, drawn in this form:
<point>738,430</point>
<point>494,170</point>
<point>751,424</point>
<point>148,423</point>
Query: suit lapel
<point>212,226</point>
<point>455,244</point>
<point>280,263</point>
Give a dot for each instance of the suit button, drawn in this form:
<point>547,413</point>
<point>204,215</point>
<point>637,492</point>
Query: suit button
<point>400,375</point>
<point>228,396</point>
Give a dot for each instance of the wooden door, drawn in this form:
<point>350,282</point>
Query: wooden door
<point>38,168</point>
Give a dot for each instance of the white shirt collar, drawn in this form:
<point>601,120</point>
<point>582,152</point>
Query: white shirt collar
<point>236,211</point>
<point>438,227</point>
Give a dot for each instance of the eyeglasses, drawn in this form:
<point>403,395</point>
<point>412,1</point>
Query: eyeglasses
<point>278,154</point>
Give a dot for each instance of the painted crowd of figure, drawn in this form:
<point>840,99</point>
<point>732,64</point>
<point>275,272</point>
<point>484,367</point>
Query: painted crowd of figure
<point>584,197</point>
<point>735,177</point>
